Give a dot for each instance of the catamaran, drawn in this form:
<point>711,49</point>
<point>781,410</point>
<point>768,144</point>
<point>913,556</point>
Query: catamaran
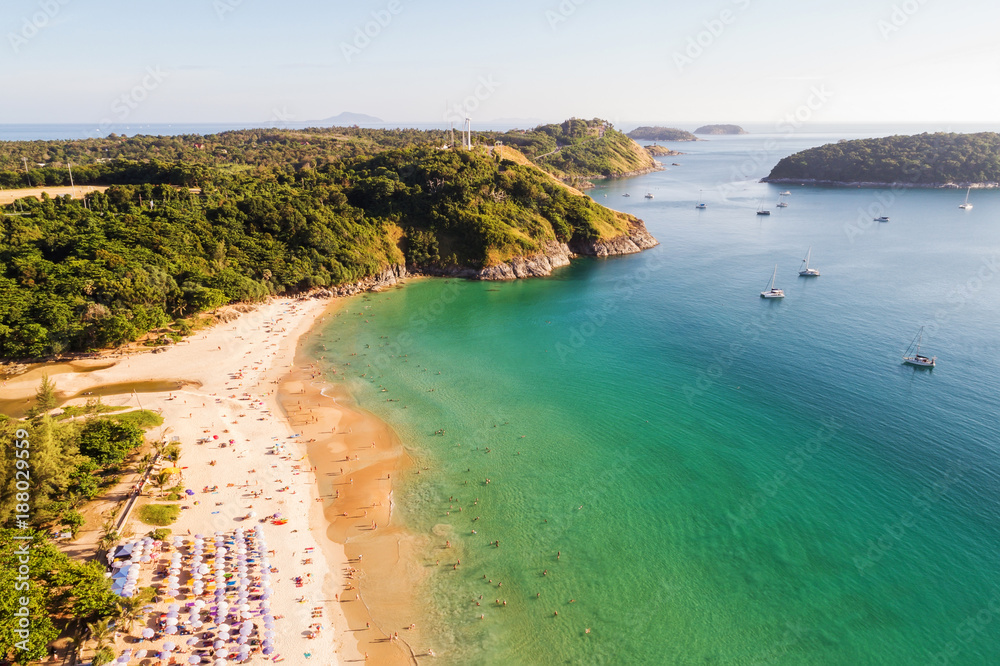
<point>966,205</point>
<point>913,357</point>
<point>771,291</point>
<point>806,271</point>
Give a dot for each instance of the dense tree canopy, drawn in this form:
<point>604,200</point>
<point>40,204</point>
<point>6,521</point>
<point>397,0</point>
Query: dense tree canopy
<point>922,159</point>
<point>104,271</point>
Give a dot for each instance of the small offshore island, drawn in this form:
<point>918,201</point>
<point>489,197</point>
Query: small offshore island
<point>720,129</point>
<point>939,160</point>
<point>661,134</point>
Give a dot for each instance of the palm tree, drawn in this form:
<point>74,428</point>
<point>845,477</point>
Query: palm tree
<point>161,480</point>
<point>102,655</point>
<point>130,611</point>
<point>109,535</point>
<point>99,632</point>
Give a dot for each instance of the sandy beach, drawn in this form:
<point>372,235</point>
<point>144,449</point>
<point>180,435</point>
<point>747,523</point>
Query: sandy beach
<point>231,376</point>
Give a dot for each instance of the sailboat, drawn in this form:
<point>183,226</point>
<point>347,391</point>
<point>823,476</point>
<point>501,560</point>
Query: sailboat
<point>760,209</point>
<point>701,204</point>
<point>781,202</point>
<point>966,205</point>
<point>771,291</point>
<point>649,195</point>
<point>912,356</point>
<point>808,272</point>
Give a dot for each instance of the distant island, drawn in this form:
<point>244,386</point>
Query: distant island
<point>922,160</point>
<point>347,118</point>
<point>661,134</point>
<point>720,129</point>
<point>662,151</point>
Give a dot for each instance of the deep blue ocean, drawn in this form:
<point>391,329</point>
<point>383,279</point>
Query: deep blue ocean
<point>726,480</point>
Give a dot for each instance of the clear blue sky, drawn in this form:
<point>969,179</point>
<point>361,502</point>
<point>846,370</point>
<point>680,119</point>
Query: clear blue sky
<point>255,61</point>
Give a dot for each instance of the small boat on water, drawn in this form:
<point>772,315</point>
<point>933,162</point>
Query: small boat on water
<point>806,271</point>
<point>649,195</point>
<point>966,205</point>
<point>913,356</point>
<point>781,204</point>
<point>701,206</point>
<point>771,291</point>
<point>675,164</point>
<point>761,210</point>
<point>882,218</point>
<point>626,195</point>
<point>786,193</point>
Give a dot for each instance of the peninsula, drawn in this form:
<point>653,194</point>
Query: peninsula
<point>922,160</point>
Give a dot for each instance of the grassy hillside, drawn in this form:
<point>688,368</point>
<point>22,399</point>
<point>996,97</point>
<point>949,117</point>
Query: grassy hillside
<point>578,149</point>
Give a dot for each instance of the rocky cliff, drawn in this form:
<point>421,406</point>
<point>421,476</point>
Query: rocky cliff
<point>554,255</point>
<point>635,240</point>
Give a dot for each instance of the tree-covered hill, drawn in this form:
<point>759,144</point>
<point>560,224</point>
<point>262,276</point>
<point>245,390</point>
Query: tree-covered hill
<point>579,149</point>
<point>661,134</point>
<point>922,160</point>
<point>105,270</point>
<point>720,129</point>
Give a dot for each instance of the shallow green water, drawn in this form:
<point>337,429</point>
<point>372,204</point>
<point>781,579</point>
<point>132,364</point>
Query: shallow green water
<point>728,480</point>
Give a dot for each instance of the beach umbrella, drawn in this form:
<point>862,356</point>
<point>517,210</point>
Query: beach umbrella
<point>140,654</point>
<point>222,653</point>
<point>220,662</point>
<point>147,633</point>
<point>170,631</point>
<point>269,633</point>
<point>267,650</point>
<point>194,659</point>
<point>219,644</point>
<point>173,607</point>
<point>189,491</point>
<point>198,624</point>
<point>163,656</point>
<point>192,640</point>
<point>169,646</point>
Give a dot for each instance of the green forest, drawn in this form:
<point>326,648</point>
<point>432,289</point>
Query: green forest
<point>97,272</point>
<point>71,457</point>
<point>586,148</point>
<point>921,159</point>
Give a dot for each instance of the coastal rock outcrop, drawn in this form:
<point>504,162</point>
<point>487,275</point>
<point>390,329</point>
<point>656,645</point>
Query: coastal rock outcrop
<point>635,240</point>
<point>386,278</point>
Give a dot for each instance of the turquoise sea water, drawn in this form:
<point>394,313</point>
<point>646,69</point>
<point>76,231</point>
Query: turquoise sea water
<point>728,480</point>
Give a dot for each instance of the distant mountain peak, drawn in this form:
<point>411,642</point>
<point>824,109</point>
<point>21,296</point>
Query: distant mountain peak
<point>350,118</point>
